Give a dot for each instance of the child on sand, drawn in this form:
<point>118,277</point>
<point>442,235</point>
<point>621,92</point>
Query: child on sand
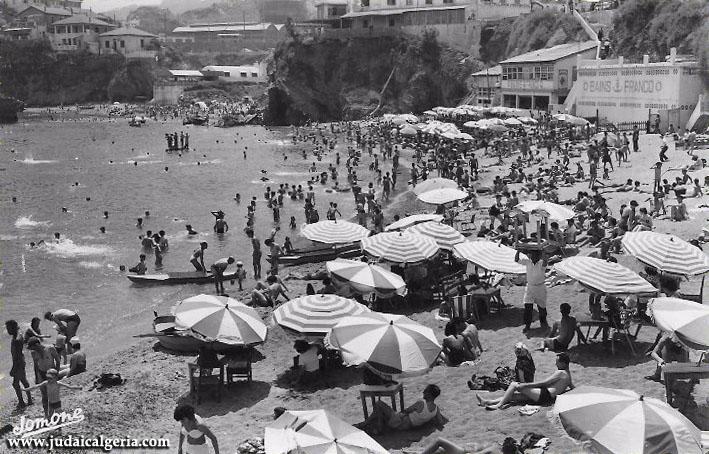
<point>51,386</point>
<point>240,274</point>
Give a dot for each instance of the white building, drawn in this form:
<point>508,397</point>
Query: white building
<point>542,79</point>
<point>485,86</point>
<point>256,73</point>
<point>78,32</point>
<point>634,92</point>
<point>129,42</point>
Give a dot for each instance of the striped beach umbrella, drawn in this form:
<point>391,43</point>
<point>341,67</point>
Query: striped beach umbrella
<point>434,183</point>
<point>444,235</point>
<point>387,343</point>
<point>316,432</point>
<point>620,421</point>
<point>667,253</point>
<point>490,256</point>
<point>414,219</point>
<point>442,196</point>
<point>364,278</point>
<point>221,319</point>
<point>400,247</point>
<point>688,320</point>
<point>315,315</point>
<point>604,277</point>
<point>570,119</point>
<point>334,232</point>
<point>553,211</point>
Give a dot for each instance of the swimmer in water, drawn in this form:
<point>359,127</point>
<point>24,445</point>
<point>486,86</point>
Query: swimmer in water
<point>197,259</point>
<point>237,197</point>
<point>139,224</point>
<point>57,237</point>
<point>102,229</point>
<point>147,214</point>
<point>190,230</point>
<point>105,214</point>
<point>65,210</point>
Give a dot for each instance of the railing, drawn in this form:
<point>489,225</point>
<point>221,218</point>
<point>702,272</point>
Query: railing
<point>344,33</point>
<point>628,126</point>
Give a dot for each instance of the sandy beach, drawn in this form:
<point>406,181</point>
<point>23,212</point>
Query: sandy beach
<point>157,379</point>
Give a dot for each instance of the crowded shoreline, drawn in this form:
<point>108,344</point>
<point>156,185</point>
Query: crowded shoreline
<point>498,333</point>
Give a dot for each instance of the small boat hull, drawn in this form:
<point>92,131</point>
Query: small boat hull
<point>178,278</point>
<point>176,339</point>
<point>316,255</point>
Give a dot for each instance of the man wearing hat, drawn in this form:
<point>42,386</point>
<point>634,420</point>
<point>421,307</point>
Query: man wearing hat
<point>218,269</point>
<point>44,358</point>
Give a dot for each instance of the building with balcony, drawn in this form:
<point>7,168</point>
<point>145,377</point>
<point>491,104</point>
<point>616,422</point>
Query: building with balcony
<point>485,86</point>
<point>129,42</point>
<point>542,79</point>
<point>78,32</point>
<point>328,10</point>
<point>617,91</point>
<point>457,22</point>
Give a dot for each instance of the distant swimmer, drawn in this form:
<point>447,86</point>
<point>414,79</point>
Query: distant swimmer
<point>65,210</point>
<point>105,214</point>
<point>88,199</point>
<point>197,259</point>
<point>237,197</point>
<point>14,200</point>
<point>140,268</point>
<point>102,229</point>
<point>139,223</point>
<point>190,230</point>
<point>220,224</point>
<point>265,179</point>
<point>57,237</point>
<point>264,171</point>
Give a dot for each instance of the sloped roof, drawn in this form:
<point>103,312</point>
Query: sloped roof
<point>552,53</point>
<point>230,69</point>
<point>224,28</point>
<point>82,19</point>
<point>186,73</point>
<point>396,11</point>
<point>128,31</point>
<point>55,11</point>
<point>492,71</point>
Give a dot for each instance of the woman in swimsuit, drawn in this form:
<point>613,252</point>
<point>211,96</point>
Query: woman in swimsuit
<point>384,417</point>
<point>194,432</point>
<point>541,393</point>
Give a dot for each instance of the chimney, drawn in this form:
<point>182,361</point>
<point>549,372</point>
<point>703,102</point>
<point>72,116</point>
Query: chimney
<point>673,55</point>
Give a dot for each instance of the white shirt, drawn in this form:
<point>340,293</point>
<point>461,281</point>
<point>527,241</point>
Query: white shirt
<point>536,272</point>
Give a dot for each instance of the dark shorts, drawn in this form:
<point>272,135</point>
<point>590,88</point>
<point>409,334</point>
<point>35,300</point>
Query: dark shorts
<point>545,397</point>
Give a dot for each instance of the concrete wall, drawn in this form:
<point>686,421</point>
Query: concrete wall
<point>168,92</point>
<point>629,92</point>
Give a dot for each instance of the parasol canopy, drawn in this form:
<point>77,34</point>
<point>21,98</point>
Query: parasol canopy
<point>334,232</point>
<point>365,278</point>
<point>604,277</point>
<point>688,320</point>
<point>490,256</point>
<point>665,252</point>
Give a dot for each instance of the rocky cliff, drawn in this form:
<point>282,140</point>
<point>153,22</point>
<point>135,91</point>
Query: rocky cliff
<point>335,79</point>
<point>9,108</point>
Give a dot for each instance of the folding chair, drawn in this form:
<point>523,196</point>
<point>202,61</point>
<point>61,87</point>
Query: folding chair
<point>463,306</point>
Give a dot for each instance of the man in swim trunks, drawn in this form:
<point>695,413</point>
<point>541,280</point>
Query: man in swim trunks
<point>220,225</point>
<point>267,294</point>
<point>218,268</point>
<point>67,320</point>
<point>256,255</point>
<point>540,393</point>
<point>197,259</point>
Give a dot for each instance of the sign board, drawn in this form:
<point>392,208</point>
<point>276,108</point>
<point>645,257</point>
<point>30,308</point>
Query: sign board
<point>528,84</point>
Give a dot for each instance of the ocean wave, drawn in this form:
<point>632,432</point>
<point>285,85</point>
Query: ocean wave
<point>68,249</point>
<point>9,237</point>
<point>26,222</point>
<point>35,161</point>
<point>90,265</point>
<point>289,174</point>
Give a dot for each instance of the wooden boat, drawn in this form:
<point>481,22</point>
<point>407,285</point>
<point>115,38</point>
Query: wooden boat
<point>173,338</point>
<point>196,119</point>
<point>186,277</point>
<point>319,254</point>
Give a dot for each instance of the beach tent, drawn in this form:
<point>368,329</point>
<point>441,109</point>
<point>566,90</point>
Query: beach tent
<point>667,253</point>
<point>389,344</point>
<point>400,247</point>
<point>688,320</point>
<point>604,277</point>
<point>413,220</point>
<point>621,421</point>
<point>444,235</point>
<point>317,432</point>
<point>490,256</point>
<point>334,232</point>
<point>442,196</point>
<point>315,315</point>
<point>364,278</point>
<point>221,319</point>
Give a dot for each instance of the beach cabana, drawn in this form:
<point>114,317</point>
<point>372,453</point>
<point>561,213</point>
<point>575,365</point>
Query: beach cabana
<point>389,344</point>
<point>317,432</point>
<point>621,421</point>
<point>365,279</point>
<point>334,232</point>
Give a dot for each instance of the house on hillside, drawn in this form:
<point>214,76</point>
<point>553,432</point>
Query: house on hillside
<point>541,79</point>
<point>34,22</point>
<point>327,10</point>
<point>129,42</point>
<point>78,32</point>
<point>230,34</point>
<point>256,73</point>
<point>485,86</point>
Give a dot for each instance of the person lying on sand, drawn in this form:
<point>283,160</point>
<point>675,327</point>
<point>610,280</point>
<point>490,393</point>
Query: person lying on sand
<point>539,393</point>
<point>383,417</point>
<point>448,447</point>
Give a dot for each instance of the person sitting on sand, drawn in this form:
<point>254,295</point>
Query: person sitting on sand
<point>539,393</point>
<point>524,364</point>
<point>77,361</point>
<point>668,349</point>
<point>678,212</point>
<point>267,294</point>
<point>194,432</point>
<point>454,346</point>
<point>383,417</point>
<point>562,332</point>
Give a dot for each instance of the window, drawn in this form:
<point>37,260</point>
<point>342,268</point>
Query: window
<point>96,29</point>
<point>391,2</point>
<point>365,23</point>
<point>429,2</point>
<point>391,22</point>
<point>242,75</point>
<point>63,40</point>
<point>254,74</point>
<point>142,43</point>
<point>512,73</point>
<point>409,2</point>
<point>544,72</point>
<point>123,44</point>
<point>447,1</point>
<point>107,45</point>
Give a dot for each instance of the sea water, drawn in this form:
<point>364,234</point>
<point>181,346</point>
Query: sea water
<point>89,167</point>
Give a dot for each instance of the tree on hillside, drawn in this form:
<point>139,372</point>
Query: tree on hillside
<point>538,29</point>
<point>154,20</point>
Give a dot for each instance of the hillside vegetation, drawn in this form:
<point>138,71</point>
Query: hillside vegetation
<point>333,79</point>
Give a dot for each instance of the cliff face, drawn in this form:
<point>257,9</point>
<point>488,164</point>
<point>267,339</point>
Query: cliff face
<point>331,79</point>
<point>9,107</point>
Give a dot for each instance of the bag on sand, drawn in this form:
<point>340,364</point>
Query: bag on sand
<point>108,381</point>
